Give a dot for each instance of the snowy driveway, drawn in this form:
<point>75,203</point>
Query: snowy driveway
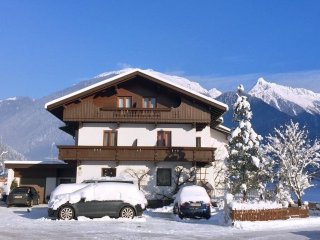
<point>17,223</point>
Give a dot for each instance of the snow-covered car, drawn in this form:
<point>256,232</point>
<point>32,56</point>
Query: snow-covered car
<point>192,202</point>
<point>25,195</point>
<point>93,200</point>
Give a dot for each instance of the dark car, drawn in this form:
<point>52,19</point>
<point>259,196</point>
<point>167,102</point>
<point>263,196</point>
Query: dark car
<point>94,200</point>
<point>192,202</point>
<point>23,196</point>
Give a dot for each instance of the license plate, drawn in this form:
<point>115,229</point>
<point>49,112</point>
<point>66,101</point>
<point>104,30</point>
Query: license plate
<point>195,204</point>
<point>17,196</point>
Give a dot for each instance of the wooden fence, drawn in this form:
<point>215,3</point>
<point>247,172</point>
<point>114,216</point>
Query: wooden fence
<point>269,214</point>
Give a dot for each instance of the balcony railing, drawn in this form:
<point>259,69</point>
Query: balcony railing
<point>191,154</point>
<point>182,114</point>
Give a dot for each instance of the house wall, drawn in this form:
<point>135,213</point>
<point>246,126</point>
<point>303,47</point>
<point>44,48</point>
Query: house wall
<point>182,135</point>
<point>146,135</point>
<point>93,169</point>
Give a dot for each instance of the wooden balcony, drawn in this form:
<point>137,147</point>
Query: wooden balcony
<point>154,154</point>
<point>182,114</point>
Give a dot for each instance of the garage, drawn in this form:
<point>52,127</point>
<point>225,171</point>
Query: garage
<point>44,176</point>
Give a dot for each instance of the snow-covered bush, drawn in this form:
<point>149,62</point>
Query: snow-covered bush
<point>254,205</point>
<point>295,156</point>
<point>247,169</point>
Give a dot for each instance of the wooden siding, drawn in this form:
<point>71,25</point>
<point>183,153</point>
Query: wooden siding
<point>192,154</point>
<point>183,114</point>
<point>171,107</point>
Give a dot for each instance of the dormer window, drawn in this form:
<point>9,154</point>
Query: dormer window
<point>149,102</point>
<point>124,102</point>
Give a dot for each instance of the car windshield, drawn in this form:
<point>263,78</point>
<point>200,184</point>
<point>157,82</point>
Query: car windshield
<point>20,190</point>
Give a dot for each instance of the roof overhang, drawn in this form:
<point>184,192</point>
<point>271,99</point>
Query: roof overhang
<point>27,164</point>
<point>127,76</point>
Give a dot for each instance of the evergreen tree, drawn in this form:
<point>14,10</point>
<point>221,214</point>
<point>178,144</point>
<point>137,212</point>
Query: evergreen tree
<point>247,170</point>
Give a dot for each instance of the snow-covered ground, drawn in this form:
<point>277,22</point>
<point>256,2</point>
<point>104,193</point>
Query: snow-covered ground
<point>18,223</point>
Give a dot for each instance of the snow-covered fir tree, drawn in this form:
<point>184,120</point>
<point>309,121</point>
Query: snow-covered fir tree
<point>247,169</point>
<point>295,159</point>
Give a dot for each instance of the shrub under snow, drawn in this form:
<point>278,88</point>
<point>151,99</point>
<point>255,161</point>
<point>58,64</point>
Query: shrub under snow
<point>254,205</point>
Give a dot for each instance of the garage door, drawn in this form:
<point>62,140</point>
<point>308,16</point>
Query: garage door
<point>37,183</point>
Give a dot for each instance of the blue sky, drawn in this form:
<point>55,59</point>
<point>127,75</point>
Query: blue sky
<point>46,46</point>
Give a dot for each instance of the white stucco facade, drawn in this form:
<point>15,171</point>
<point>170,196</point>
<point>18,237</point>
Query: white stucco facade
<point>91,134</point>
<point>182,135</point>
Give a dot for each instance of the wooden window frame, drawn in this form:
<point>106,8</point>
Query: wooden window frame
<point>170,178</point>
<point>149,102</point>
<point>124,102</point>
<point>105,132</point>
<point>112,170</point>
<point>166,144</point>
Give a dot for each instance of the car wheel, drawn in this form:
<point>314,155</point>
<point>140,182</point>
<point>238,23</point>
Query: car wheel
<point>127,212</point>
<point>66,213</point>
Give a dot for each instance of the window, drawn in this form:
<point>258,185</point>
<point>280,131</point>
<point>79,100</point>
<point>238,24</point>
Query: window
<point>149,102</point>
<point>124,102</point>
<point>164,177</point>
<point>198,141</point>
<point>110,138</point>
<point>164,139</point>
<point>108,172</point>
<point>66,180</point>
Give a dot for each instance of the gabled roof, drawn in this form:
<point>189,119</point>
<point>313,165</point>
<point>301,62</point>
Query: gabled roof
<point>152,75</point>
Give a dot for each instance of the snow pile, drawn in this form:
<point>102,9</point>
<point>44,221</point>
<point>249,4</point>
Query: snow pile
<point>105,191</point>
<point>298,99</point>
<point>109,219</point>
<point>254,205</point>
<point>192,194</point>
<point>165,209</point>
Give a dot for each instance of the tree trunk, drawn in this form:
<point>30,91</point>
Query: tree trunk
<point>244,195</point>
<point>299,202</point>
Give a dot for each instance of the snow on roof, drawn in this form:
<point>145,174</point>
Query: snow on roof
<point>223,128</point>
<point>171,80</point>
<point>34,162</point>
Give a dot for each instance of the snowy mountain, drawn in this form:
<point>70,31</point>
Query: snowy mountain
<point>266,117</point>
<point>214,93</point>
<point>292,101</point>
<point>8,153</point>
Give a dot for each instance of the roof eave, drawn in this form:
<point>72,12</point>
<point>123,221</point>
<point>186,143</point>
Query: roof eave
<point>125,76</point>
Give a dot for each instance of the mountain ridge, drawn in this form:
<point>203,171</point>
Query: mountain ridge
<point>28,128</point>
